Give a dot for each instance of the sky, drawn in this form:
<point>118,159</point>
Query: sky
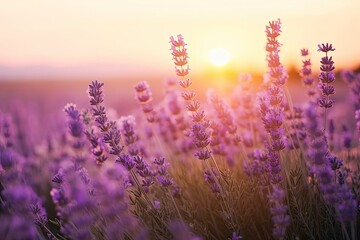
<point>74,38</point>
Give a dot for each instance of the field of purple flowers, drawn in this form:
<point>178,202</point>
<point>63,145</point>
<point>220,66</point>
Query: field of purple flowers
<point>249,165</point>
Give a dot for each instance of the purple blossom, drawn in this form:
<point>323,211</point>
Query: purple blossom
<point>75,124</point>
<point>127,129</point>
<point>325,47</point>
<point>71,197</point>
<point>322,164</point>
<point>157,204</point>
<point>336,163</point>
<point>347,204</point>
<point>108,128</point>
<point>7,158</point>
<point>144,96</point>
<point>279,212</point>
<point>17,227</point>
<point>143,92</point>
<point>180,56</point>
<point>109,188</point>
<point>173,102</point>
<point>203,154</point>
<point>305,73</point>
<point>326,77</point>
<point>254,168</point>
<point>226,120</point>
<point>348,76</point>
<point>200,131</point>
<point>357,118</point>
<point>347,139</point>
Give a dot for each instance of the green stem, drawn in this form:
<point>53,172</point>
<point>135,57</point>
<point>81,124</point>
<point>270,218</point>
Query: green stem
<point>177,209</point>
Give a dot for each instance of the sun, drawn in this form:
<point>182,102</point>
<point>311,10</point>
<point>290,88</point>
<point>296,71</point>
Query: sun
<point>219,57</point>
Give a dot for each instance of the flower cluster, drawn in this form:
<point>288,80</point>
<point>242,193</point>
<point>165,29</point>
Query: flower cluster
<point>163,175</point>
<point>326,76</point>
<point>306,74</point>
<point>276,72</point>
<point>357,118</point>
<point>145,184</point>
<point>321,164</point>
<point>271,103</point>
<point>75,124</point>
<point>318,154</point>
<point>144,97</point>
<point>180,55</point>
<point>200,129</point>
<point>297,133</point>
<point>127,129</point>
<point>209,178</point>
<point>279,212</point>
<point>108,128</point>
<point>23,214</point>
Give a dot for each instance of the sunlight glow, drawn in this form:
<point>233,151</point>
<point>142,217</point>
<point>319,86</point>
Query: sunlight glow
<point>219,57</point>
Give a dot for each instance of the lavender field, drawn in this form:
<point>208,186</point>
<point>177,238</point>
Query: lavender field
<point>274,156</point>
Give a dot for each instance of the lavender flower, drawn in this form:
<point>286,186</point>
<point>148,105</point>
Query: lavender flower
<point>335,163</point>
<point>111,133</point>
<point>357,118</point>
<point>109,188</point>
<point>224,115</point>
<point>209,177</point>
<point>144,96</point>
<point>180,56</point>
<point>96,99</point>
<point>276,71</point>
<point>347,204</point>
<point>75,125</point>
<point>271,103</point>
<point>325,47</point>
<point>348,76</point>
<point>163,174</point>
<point>72,197</point>
<point>7,131</point>
<point>346,137</point>
<point>279,212</point>
<point>200,129</point>
<point>17,227</point>
<point>318,154</point>
<point>305,73</point>
<point>322,163</point>
<point>326,77</point>
<point>97,146</point>
<point>127,129</point>
<point>7,158</point>
<point>353,80</point>
<point>297,133</point>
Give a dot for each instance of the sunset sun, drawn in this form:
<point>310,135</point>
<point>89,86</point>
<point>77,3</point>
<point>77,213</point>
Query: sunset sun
<point>219,57</point>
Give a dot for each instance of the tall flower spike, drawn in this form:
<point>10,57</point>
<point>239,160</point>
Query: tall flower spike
<point>108,128</point>
<point>272,109</point>
<point>357,118</point>
<point>180,56</point>
<point>75,125</point>
<point>305,73</point>
<point>326,77</point>
<point>144,96</point>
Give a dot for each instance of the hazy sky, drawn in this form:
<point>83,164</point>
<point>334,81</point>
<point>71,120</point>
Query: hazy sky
<point>131,36</point>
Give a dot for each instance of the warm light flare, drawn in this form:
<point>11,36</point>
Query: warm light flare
<point>219,57</point>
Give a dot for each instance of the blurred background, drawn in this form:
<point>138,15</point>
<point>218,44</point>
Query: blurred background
<point>51,50</point>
